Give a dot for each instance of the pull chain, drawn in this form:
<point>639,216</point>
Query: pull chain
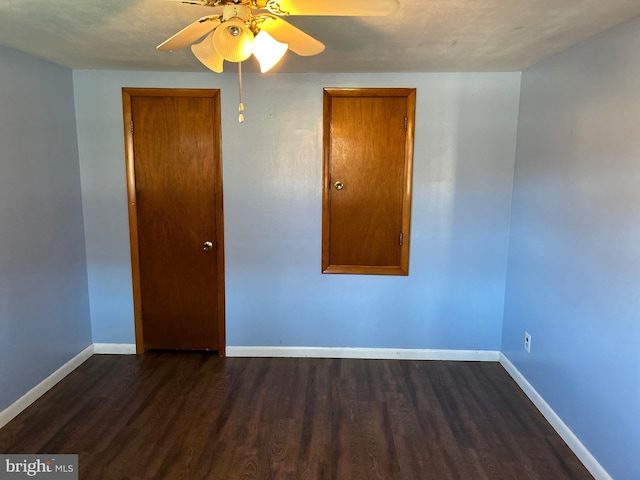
<point>241,106</point>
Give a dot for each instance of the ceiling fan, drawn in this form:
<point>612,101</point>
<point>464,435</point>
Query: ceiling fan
<point>238,29</point>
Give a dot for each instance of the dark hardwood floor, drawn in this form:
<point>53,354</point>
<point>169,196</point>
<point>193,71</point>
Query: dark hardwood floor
<point>198,416</point>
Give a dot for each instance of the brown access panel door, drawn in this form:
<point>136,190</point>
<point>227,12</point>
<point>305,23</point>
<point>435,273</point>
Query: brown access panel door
<point>174,177</point>
<point>368,157</point>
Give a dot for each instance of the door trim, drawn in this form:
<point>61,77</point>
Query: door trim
<point>127,94</point>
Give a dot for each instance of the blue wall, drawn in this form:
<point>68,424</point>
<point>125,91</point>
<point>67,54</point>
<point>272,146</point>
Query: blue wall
<point>574,262</point>
<point>276,295</point>
<point>44,310</point>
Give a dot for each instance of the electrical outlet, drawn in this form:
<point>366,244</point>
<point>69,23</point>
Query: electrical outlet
<point>527,342</point>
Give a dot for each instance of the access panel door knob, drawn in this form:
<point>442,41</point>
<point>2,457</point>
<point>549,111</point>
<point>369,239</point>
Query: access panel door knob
<point>207,245</point>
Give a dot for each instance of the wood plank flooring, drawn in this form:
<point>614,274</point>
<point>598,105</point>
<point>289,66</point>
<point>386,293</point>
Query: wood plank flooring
<point>198,416</point>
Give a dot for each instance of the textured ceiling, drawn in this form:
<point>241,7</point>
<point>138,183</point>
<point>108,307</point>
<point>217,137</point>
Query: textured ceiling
<point>421,36</point>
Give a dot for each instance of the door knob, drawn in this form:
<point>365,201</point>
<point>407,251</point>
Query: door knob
<point>339,185</point>
<point>207,245</point>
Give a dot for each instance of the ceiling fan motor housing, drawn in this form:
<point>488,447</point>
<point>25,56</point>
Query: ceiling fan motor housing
<point>235,11</point>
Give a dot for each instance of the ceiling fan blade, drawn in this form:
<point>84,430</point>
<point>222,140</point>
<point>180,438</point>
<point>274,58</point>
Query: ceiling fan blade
<point>203,3</point>
<point>299,42</point>
<point>345,8</point>
<point>190,33</point>
<point>207,54</point>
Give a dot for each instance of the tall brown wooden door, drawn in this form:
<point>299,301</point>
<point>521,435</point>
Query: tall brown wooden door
<point>368,156</point>
<point>175,206</point>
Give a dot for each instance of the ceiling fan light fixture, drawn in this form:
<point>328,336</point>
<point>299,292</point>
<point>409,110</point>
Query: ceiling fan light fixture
<point>233,40</point>
<point>268,51</point>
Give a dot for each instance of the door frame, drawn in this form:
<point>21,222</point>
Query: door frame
<point>214,94</point>
<point>328,95</point>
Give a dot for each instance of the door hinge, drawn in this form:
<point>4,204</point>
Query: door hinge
<point>406,123</point>
<point>131,125</point>
<point>401,238</point>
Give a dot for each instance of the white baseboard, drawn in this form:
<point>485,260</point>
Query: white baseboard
<point>13,410</point>
<point>589,461</point>
<point>114,348</point>
<point>364,353</point>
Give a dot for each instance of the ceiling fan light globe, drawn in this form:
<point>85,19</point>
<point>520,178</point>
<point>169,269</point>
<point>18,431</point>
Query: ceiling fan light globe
<point>268,51</point>
<point>207,54</point>
<point>233,40</point>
